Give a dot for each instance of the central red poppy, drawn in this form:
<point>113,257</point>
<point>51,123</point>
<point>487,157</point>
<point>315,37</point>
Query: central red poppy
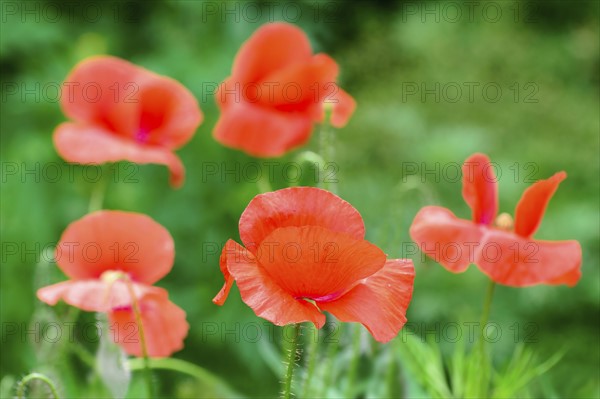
<point>305,253</point>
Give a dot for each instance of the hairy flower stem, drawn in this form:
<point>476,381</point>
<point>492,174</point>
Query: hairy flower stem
<point>291,363</point>
<point>140,326</point>
<point>312,355</point>
<point>20,391</point>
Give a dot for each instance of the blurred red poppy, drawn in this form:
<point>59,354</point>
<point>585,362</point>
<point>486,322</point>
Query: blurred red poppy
<point>110,255</point>
<point>120,111</point>
<point>503,250</point>
<point>277,90</point>
<point>305,253</point>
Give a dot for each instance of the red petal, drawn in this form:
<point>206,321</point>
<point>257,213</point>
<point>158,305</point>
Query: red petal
<point>343,107</point>
<point>450,241</point>
<point>260,131</point>
<point>270,48</point>
<point>314,262</point>
<point>300,88</point>
<point>95,295</point>
<point>163,322</point>
<point>221,297</point>
<point>480,188</point>
<point>298,206</point>
<point>87,144</point>
<point>263,295</point>
<point>519,262</point>
<point>100,90</point>
<point>379,302</point>
<point>533,203</point>
<point>113,240</point>
<point>169,114</point>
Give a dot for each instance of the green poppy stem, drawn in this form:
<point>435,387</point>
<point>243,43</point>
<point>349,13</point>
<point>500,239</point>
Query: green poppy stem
<point>291,363</point>
<point>312,355</point>
<point>485,315</point>
<point>20,391</point>
<point>140,325</point>
<point>327,151</point>
<point>99,190</point>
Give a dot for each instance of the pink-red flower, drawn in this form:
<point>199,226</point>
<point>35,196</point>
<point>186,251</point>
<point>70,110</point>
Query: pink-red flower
<point>119,111</point>
<point>112,258</point>
<point>276,92</point>
<point>305,253</point>
<point>502,249</point>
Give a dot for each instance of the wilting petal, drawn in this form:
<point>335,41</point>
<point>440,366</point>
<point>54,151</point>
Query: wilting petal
<point>298,206</point>
<point>263,295</point>
<point>88,144</point>
<point>168,113</point>
<point>272,47</point>
<point>260,131</point>
<point>163,322</point>
<point>516,261</point>
<point>343,107</point>
<point>95,295</point>
<point>102,90</point>
<point>480,188</point>
<point>533,203</point>
<point>314,262</point>
<point>221,297</point>
<point>450,241</point>
<point>379,302</point>
<point>119,241</point>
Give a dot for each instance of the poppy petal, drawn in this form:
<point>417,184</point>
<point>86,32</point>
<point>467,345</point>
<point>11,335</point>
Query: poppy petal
<point>298,206</point>
<point>480,188</point>
<point>163,322</point>
<point>448,240</point>
<point>512,260</point>
<point>263,295</point>
<point>271,47</point>
<point>533,203</point>
<point>169,114</point>
<point>314,262</point>
<point>301,87</point>
<point>88,144</point>
<point>343,107</point>
<point>119,241</point>
<point>221,297</point>
<point>261,131</point>
<point>379,302</point>
<point>95,295</point>
<point>101,90</point>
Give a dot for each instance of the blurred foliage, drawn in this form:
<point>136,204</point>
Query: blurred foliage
<point>548,49</point>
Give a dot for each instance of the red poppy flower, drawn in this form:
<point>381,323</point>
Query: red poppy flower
<point>276,92</point>
<point>120,111</point>
<point>305,253</point>
<point>108,255</point>
<point>503,250</point>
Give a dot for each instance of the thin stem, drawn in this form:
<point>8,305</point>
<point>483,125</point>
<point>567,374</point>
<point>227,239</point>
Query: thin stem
<point>327,150</point>
<point>98,192</point>
<point>140,325</point>
<point>485,315</point>
<point>311,360</point>
<point>291,363</point>
<point>353,368</point>
<point>32,377</point>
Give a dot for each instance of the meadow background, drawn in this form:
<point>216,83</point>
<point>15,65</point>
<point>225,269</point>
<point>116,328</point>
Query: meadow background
<point>544,57</point>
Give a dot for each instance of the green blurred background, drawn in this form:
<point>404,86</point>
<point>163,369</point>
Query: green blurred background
<point>543,57</point>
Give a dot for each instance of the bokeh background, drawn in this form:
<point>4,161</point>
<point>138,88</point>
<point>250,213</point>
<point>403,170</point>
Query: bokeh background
<point>534,109</point>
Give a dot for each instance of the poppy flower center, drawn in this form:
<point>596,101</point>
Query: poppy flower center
<point>504,222</point>
<point>110,276</point>
<point>142,136</point>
